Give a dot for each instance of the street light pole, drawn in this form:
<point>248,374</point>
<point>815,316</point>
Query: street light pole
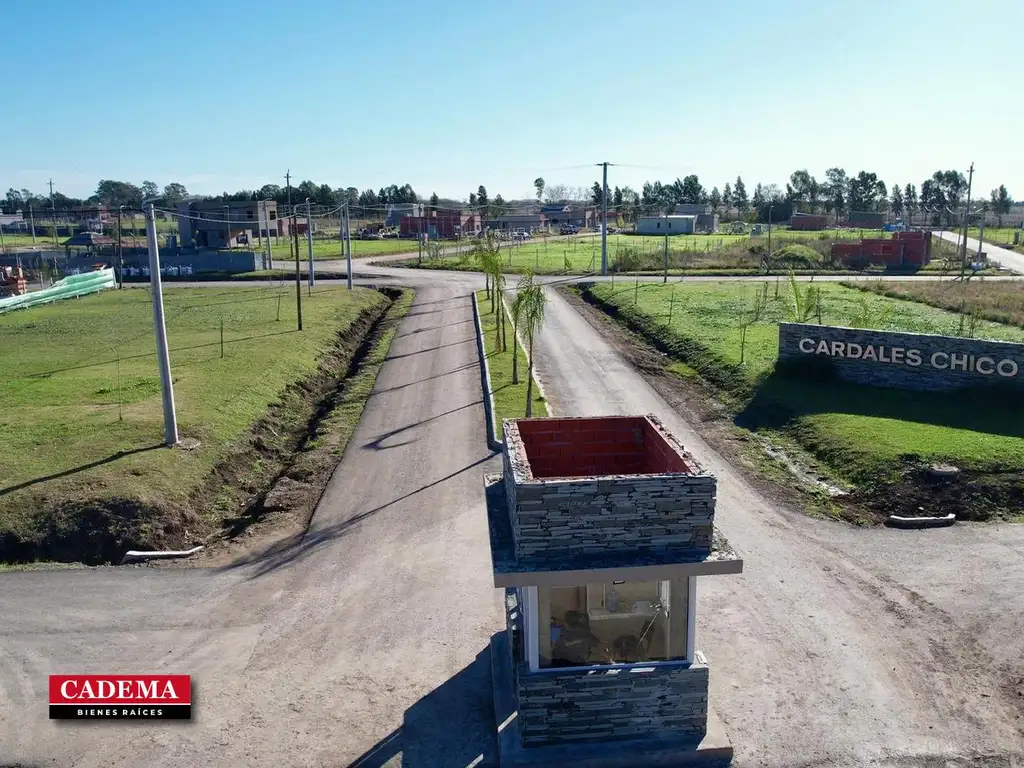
<point>159,325</point>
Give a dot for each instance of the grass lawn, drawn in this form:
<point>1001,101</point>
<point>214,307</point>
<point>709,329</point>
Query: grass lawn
<point>330,248</point>
<point>509,398</point>
<point>1001,236</point>
<point>80,405</point>
<point>693,254</point>
<point>1000,302</point>
<point>864,434</point>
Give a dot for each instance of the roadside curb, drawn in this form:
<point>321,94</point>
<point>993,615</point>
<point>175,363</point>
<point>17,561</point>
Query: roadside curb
<point>911,523</point>
<point>485,381</point>
<point>134,556</point>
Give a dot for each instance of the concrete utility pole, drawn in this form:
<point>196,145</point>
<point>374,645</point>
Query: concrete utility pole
<point>270,248</point>
<point>120,250</point>
<point>604,220</point>
<point>32,223</point>
<point>227,219</point>
<point>967,212</point>
<point>309,244</point>
<point>162,353</point>
<point>53,215</point>
<point>348,247</point>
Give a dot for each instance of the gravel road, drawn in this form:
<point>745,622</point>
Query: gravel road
<point>366,644</point>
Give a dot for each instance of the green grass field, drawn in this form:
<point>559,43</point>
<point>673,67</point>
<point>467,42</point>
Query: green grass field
<point>330,248</point>
<point>718,253</point>
<point>1001,236</point>
<point>509,398</point>
<point>80,404</point>
<point>863,433</point>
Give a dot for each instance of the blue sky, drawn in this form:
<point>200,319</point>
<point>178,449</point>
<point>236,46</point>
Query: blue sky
<point>448,95</point>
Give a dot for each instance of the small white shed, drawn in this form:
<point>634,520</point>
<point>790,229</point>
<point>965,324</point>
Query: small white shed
<point>666,225</point>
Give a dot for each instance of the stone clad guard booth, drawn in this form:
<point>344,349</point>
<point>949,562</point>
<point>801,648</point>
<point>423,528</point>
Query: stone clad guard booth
<point>599,529</point>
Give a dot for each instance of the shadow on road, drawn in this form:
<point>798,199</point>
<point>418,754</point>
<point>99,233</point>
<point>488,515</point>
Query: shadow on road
<point>433,328</point>
<point>75,470</point>
<point>450,727</point>
<point>463,367</point>
<point>431,349</point>
<point>296,548</point>
<point>377,443</point>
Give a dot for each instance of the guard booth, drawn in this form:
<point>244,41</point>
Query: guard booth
<point>599,530</point>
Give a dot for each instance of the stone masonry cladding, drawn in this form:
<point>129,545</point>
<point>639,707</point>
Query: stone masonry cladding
<point>913,361</point>
<point>580,705</point>
<point>569,517</point>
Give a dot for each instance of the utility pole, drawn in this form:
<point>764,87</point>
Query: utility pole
<point>348,247</point>
<point>162,353</point>
<point>288,183</point>
<point>298,276</point>
<point>270,248</point>
<point>309,245</point>
<point>768,259</point>
<point>967,213</point>
<point>32,223</point>
<point>53,215</point>
<point>604,220</point>
<point>120,251</point>
<point>227,219</point>
<point>665,279</point>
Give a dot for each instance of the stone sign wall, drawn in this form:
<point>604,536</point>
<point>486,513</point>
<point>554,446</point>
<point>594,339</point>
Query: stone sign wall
<point>905,360</point>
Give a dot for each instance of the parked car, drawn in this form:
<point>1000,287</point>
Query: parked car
<point>568,229</point>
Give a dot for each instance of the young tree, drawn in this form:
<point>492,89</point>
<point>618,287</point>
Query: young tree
<point>715,199</point>
<point>434,200</point>
<point>530,313</point>
<point>896,201</point>
<point>596,193</point>
<point>538,184</point>
<point>727,197</point>
<point>739,196</point>
<point>483,201</point>
<point>1001,202</point>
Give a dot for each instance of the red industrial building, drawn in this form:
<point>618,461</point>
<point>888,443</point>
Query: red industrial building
<point>443,225</point>
<point>807,222</point>
<point>905,249</point>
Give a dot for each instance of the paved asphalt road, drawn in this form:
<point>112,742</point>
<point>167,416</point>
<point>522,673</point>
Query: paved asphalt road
<point>1009,259</point>
<point>367,642</point>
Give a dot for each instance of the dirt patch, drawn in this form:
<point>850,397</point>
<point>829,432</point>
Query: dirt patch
<point>799,479</point>
<point>268,485</point>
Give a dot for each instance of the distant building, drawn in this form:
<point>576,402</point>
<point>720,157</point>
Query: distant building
<point>865,219</point>
<point>558,215</point>
<point>526,221</point>
<point>441,224</point>
<point>807,222</point>
<point>215,224</point>
<point>691,209</point>
<point>395,212</point>
<point>13,222</point>
<point>666,225</point>
<point>707,222</point>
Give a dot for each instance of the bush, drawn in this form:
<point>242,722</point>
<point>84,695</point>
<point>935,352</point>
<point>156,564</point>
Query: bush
<point>797,256</point>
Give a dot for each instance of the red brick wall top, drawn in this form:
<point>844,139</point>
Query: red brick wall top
<point>599,447</point>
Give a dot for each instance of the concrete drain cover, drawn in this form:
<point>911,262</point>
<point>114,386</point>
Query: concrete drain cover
<point>188,444</point>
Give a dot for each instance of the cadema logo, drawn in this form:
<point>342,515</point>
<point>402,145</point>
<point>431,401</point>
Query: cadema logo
<point>120,696</point>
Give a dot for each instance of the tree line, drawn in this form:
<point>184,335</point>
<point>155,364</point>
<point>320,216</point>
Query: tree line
<point>940,197</point>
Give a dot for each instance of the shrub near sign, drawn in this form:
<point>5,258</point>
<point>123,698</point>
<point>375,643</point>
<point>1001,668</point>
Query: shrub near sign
<point>904,360</point>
